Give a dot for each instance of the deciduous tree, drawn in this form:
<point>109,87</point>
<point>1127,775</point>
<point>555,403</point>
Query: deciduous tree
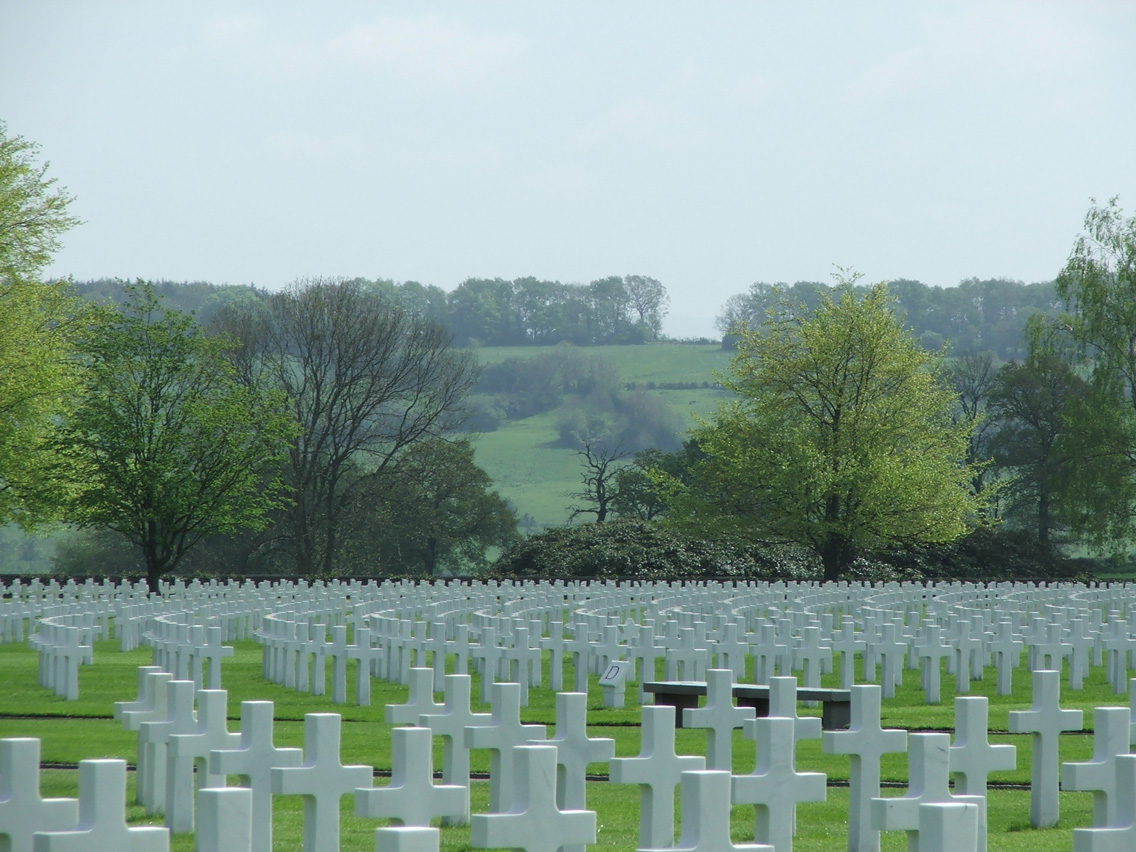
<point>1030,404</point>
<point>601,463</point>
<point>973,375</point>
<point>432,511</point>
<point>37,324</point>
<point>841,440</point>
<point>649,299</point>
<point>1098,284</point>
<point>364,379</point>
<point>167,445</point>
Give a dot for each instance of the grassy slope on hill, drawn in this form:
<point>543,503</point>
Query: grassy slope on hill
<point>535,474</point>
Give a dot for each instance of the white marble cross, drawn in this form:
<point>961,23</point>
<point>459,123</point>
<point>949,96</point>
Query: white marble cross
<point>657,770</point>
<point>719,717</point>
<point>22,811</point>
<point>412,798</point>
<point>846,643</point>
<point>146,697</point>
<point>865,742</point>
<point>501,736</point>
<point>321,780</point>
<point>364,654</point>
<point>533,822</point>
<point>161,786</point>
<point>419,703</point>
<point>211,651</point>
<point>783,704</point>
<point>1045,721</point>
<point>1007,650</point>
<point>153,709</point>
<point>1111,726</point>
<point>1121,835</point>
<point>554,644</point>
<point>102,816</point>
<point>192,750</point>
<point>931,648</point>
<point>575,750</point>
<point>337,650</point>
<point>643,655</point>
<point>437,645</point>
<point>705,809</point>
<point>812,655</point>
<point>450,724</point>
<point>254,761</point>
<point>972,757</point>
<point>892,650</point>
<point>487,656</point>
<point>928,772</point>
<point>775,786</point>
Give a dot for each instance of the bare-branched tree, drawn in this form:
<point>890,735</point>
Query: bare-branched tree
<point>601,464</point>
<point>365,380</point>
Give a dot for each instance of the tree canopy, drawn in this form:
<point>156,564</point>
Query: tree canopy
<point>33,211</point>
<point>842,439</point>
<point>364,379</point>
<point>1098,284</point>
<point>37,323</point>
<point>167,447</point>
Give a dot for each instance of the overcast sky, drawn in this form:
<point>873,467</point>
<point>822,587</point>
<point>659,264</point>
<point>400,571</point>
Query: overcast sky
<point>709,145</point>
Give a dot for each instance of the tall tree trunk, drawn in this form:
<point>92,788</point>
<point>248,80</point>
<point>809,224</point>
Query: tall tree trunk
<point>835,555</point>
<point>836,550</point>
<point>1044,521</point>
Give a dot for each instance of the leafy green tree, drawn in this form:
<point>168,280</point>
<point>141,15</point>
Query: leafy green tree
<point>1098,284</point>
<point>649,299</point>
<point>431,512</point>
<point>637,491</point>
<point>38,380</point>
<point>33,211</point>
<point>37,324</point>
<point>973,376</point>
<point>1029,403</point>
<point>842,439</point>
<point>167,445</point>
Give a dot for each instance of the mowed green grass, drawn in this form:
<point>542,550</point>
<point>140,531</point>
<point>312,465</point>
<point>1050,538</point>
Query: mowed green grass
<point>651,362</point>
<point>538,476</point>
<point>366,739</point>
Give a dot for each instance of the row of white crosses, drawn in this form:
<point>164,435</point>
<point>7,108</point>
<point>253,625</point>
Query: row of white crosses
<point>780,641</point>
<point>1042,709</point>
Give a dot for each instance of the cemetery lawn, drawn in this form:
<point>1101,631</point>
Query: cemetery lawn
<point>76,730</point>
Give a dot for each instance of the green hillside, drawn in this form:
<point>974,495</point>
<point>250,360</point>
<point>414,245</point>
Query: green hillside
<point>521,455</point>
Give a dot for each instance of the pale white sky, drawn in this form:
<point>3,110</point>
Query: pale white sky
<point>709,145</point>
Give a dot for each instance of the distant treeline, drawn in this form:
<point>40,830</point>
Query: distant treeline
<point>481,311</point>
<point>976,316</point>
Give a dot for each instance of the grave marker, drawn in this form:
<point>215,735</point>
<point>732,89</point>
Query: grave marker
<point>865,742</point>
<point>411,798</point>
<point>533,822</point>
<point>254,761</point>
<point>657,770</point>
<point>775,787</point>
<point>23,811</point>
<point>322,780</point>
<point>1045,721</point>
<point>102,816</point>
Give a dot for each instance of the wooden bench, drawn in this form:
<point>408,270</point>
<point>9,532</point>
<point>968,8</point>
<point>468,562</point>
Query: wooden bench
<point>836,704</point>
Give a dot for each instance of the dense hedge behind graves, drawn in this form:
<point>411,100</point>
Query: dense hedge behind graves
<point>628,549</point>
